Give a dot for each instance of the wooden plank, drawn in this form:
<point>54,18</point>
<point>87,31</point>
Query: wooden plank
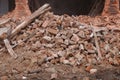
<point>40,11</point>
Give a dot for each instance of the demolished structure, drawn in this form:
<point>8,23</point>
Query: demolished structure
<point>56,41</point>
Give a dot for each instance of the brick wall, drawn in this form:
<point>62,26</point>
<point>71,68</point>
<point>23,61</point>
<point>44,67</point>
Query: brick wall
<point>22,8</point>
<point>111,7</point>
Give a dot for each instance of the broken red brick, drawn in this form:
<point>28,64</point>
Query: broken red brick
<point>52,31</point>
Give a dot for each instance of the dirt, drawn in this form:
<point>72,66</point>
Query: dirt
<point>63,47</point>
<point>22,67</point>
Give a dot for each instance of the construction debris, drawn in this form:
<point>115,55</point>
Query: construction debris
<point>40,11</point>
<point>4,21</point>
<point>69,40</point>
<point>9,48</point>
<point>96,43</point>
<point>48,46</point>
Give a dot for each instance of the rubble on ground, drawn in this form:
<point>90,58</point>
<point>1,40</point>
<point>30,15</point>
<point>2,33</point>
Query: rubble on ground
<point>68,40</point>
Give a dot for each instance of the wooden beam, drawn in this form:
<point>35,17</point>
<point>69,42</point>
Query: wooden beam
<point>28,20</point>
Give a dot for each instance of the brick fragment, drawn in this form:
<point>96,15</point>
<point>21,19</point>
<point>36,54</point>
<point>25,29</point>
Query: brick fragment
<point>52,31</point>
<point>75,38</point>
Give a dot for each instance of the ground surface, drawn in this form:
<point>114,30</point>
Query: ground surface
<point>63,48</point>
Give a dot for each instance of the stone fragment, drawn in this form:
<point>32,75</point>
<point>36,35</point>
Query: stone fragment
<point>4,78</point>
<point>47,38</point>
<point>92,71</point>
<point>73,47</point>
<point>51,69</point>
<point>69,34</point>
<point>59,40</point>
<point>81,47</point>
<point>75,38</point>
<point>72,61</point>
<point>4,33</point>
<point>41,30</point>
<point>88,68</point>
<point>61,53</point>
<point>66,42</point>
<point>91,51</point>
<point>37,21</point>
<point>72,42</point>
<point>55,55</point>
<point>21,43</point>
<point>40,23</point>
<point>63,46</point>
<point>79,57</point>
<point>59,27</point>
<point>89,47</point>
<point>86,78</point>
<point>110,60</point>
<point>54,76</point>
<point>36,45</point>
<point>81,26</point>
<point>81,34</point>
<point>92,35</point>
<point>24,78</point>
<point>75,30</point>
<point>115,62</point>
<point>49,58</point>
<point>14,71</point>
<point>66,62</point>
<point>45,23</point>
<point>63,36</point>
<point>48,45</point>
<point>34,26</point>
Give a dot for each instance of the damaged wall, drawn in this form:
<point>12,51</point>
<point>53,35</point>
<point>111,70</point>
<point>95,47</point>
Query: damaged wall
<point>71,7</point>
<point>111,7</point>
<point>22,8</point>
